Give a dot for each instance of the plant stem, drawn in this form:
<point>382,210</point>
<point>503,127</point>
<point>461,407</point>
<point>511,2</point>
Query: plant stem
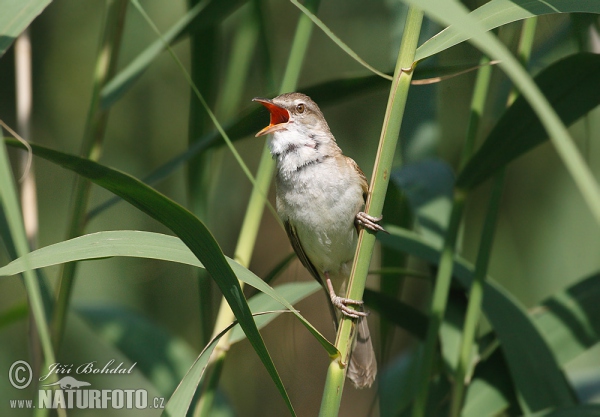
<point>254,212</point>
<point>91,148</point>
<point>336,372</point>
<point>485,246</point>
<point>480,92</point>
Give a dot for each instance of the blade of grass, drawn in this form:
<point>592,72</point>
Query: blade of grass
<point>336,372</point>
<point>91,147</point>
<point>179,403</point>
<point>487,238</point>
<point>568,319</point>
<point>519,129</point>
<point>338,41</point>
<point>480,92</point>
<point>200,97</point>
<point>452,12</point>
<point>398,313</point>
<point>530,359</point>
<point>139,244</point>
<point>202,170</point>
<point>254,212</point>
<point>292,292</point>
<point>10,205</point>
<point>496,13</point>
<point>191,231</point>
<point>444,275</point>
<point>15,17</point>
<point>205,13</point>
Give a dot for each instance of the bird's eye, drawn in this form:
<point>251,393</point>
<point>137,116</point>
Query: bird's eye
<point>300,108</point>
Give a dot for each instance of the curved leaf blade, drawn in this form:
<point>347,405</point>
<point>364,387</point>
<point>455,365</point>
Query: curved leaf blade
<point>454,12</point>
<point>496,13</point>
<point>185,225</point>
<point>140,244</point>
<point>584,410</point>
<point>131,333</point>
<point>533,367</point>
<point>203,14</point>
<point>179,403</point>
<point>568,319</point>
<point>572,87</point>
<point>397,312</point>
<point>293,292</point>
<point>16,16</point>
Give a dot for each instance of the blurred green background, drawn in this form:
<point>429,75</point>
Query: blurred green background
<point>546,238</point>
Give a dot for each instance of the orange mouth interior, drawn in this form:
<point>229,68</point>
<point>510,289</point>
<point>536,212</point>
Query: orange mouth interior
<point>278,116</point>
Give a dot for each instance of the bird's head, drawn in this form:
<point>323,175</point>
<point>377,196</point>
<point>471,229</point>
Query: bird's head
<point>295,113</point>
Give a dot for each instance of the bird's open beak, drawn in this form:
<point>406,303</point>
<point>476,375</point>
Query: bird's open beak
<point>279,116</point>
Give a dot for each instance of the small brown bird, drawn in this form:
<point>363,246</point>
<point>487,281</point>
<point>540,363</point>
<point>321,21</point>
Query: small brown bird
<point>320,197</point>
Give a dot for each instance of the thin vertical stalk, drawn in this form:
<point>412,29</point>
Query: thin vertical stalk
<point>480,93</point>
<point>24,98</point>
<point>24,104</point>
<point>201,169</point>
<point>336,372</point>
<point>91,148</point>
<point>254,212</point>
<point>40,343</point>
<point>444,275</point>
<point>485,248</point>
<point>438,303</point>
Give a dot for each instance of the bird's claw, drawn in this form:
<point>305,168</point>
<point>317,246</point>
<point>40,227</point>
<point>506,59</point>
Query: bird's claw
<point>342,303</point>
<point>369,222</point>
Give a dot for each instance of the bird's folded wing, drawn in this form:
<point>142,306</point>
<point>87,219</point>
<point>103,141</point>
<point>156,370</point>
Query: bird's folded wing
<point>297,245</point>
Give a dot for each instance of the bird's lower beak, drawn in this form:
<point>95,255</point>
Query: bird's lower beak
<point>279,116</point>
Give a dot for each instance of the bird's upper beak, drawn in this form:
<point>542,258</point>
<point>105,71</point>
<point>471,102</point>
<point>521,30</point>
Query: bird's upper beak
<point>279,116</point>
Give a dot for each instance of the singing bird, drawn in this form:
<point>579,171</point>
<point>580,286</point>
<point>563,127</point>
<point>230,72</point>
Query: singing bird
<point>320,196</point>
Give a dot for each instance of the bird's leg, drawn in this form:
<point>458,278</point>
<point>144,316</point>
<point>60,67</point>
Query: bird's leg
<point>369,222</point>
<point>342,303</point>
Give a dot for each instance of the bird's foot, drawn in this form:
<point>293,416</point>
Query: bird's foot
<point>369,222</point>
<point>342,303</point>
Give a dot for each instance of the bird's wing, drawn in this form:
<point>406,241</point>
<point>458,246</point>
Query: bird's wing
<point>297,245</point>
<point>363,182</point>
<point>361,175</point>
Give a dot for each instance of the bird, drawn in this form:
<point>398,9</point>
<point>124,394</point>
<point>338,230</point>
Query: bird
<point>320,195</point>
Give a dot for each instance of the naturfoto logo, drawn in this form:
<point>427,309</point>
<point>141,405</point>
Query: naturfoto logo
<point>69,392</point>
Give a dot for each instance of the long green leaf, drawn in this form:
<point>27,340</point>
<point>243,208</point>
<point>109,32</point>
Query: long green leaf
<point>531,362</point>
<point>293,292</point>
<point>204,14</point>
<point>569,319</point>
<point>496,13</point>
<point>16,15</point>
<point>571,85</point>
<point>185,225</point>
<point>453,12</point>
<point>11,209</point>
<point>491,390</point>
<point>397,312</point>
<point>584,410</point>
<point>179,403</point>
<point>131,333</point>
<point>338,41</point>
<point>147,245</point>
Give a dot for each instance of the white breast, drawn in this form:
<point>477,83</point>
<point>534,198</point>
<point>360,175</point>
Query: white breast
<point>321,200</point>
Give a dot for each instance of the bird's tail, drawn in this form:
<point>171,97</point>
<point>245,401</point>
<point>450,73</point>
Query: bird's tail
<point>362,368</point>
